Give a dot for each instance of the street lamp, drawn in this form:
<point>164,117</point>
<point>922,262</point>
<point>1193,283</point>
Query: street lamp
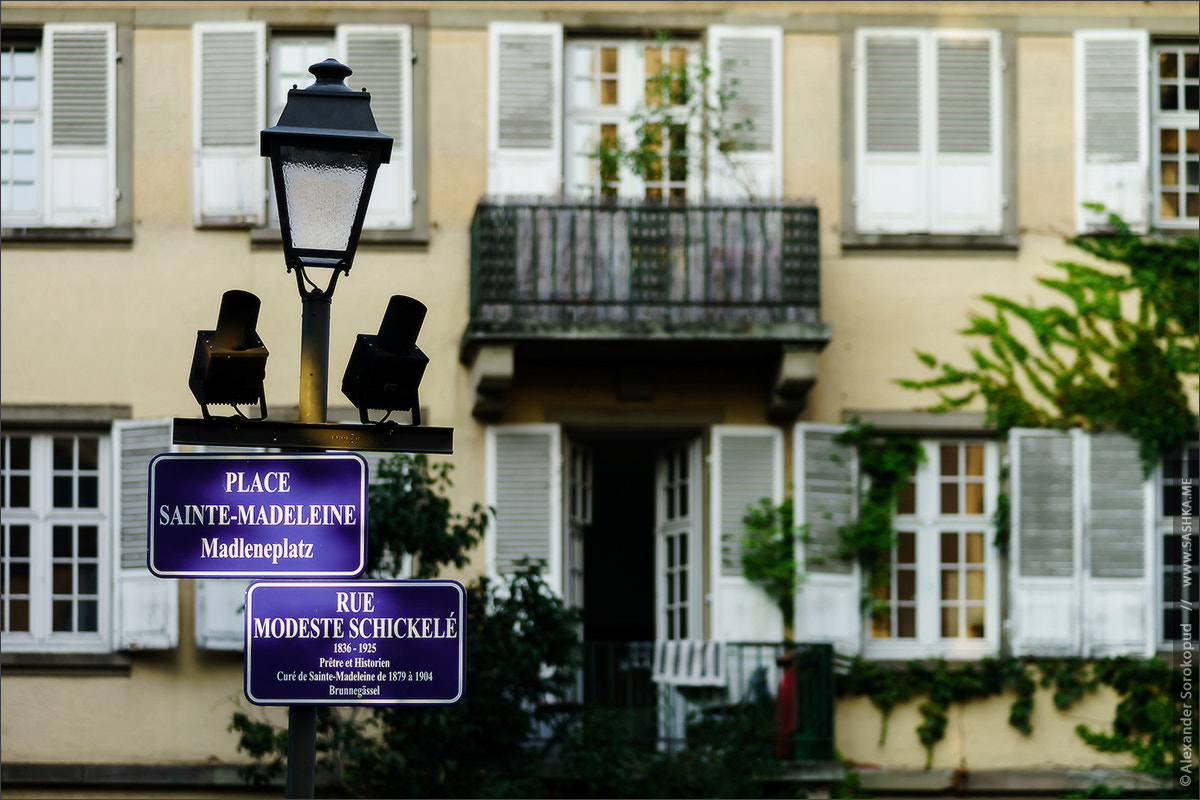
<point>324,151</point>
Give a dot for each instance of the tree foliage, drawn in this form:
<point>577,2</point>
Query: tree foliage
<point>1111,354</point>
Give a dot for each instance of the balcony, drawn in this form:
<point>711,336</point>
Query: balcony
<point>792,683</point>
<point>711,281</point>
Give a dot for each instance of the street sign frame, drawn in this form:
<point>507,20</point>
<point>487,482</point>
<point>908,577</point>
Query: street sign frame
<point>304,638</point>
<point>273,515</point>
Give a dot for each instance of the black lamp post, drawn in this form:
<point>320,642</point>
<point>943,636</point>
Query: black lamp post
<point>325,152</point>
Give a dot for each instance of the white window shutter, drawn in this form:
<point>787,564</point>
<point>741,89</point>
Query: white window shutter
<point>892,140</point>
<point>748,61</point>
<point>1118,600</point>
<point>1112,126</point>
<point>229,179</point>
<point>525,64</point>
<point>524,492</point>
<point>382,59</point>
<point>1046,558</point>
<point>79,99</point>
<point>220,614</point>
<point>966,190</point>
<point>825,474</point>
<point>146,607</point>
<point>747,465</point>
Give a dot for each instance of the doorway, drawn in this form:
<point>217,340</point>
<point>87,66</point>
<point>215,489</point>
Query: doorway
<point>636,558</point>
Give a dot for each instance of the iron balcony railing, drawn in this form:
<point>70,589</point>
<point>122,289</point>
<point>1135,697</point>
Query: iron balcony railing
<point>540,261</point>
<point>796,680</point>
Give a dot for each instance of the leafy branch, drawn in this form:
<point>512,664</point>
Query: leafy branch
<point>1110,355</point>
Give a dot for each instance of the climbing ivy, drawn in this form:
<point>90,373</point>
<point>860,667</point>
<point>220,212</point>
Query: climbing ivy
<point>1146,718</point>
<point>1112,356</point>
<point>769,553</point>
<point>885,465</point>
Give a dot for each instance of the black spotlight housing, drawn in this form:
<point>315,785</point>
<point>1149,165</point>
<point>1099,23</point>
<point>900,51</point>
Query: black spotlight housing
<point>230,363</point>
<point>385,369</point>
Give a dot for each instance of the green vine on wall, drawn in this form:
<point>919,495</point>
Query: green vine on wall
<point>885,465</point>
<point>1117,352</point>
<point>1145,722</point>
<point>769,553</point>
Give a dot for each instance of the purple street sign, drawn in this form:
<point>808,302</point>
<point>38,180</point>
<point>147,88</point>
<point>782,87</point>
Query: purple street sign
<point>258,515</point>
<point>351,643</point>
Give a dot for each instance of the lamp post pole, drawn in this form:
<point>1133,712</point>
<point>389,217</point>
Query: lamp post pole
<point>314,356</point>
<point>314,394</point>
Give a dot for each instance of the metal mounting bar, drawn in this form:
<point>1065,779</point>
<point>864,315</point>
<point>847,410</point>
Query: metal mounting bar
<point>387,437</point>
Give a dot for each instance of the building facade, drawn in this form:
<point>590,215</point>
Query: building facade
<point>629,358</point>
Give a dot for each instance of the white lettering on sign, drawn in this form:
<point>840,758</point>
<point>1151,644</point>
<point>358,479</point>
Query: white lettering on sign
<point>269,482</point>
<point>356,627</point>
<point>240,548</point>
<point>269,515</point>
<point>356,601</point>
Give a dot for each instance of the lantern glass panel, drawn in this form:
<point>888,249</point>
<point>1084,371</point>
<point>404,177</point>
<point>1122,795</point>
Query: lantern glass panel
<point>323,190</point>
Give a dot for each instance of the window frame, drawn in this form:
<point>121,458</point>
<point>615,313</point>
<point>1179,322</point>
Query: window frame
<point>43,518</point>
<point>27,25</point>
<point>929,524</point>
<point>1008,237</point>
<point>1182,120</point>
<point>631,76</point>
<point>1164,525</point>
<point>31,114</point>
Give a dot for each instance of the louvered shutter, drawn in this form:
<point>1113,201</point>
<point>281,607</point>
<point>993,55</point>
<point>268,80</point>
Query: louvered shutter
<point>524,108</point>
<point>381,57</point>
<point>228,112</point>
<point>747,466</point>
<point>748,61</point>
<point>524,492</point>
<point>966,193</point>
<point>147,608</point>
<point>1112,126</point>
<point>79,99</point>
<point>220,613</point>
<point>891,193</point>
<point>1044,541</point>
<point>824,478</point>
<point>1118,615</point>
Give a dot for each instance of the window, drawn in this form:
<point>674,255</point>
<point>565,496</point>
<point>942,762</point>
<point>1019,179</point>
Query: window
<point>551,104</point>
<point>607,82</point>
<point>54,565</point>
<point>1179,479</point>
<point>942,593</point>
<point>230,178</point>
<point>21,119</point>
<point>1137,143</point>
<point>58,127</point>
<point>1175,136</point>
<point>927,132</point>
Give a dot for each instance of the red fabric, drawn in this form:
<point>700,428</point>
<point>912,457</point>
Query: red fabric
<point>785,712</point>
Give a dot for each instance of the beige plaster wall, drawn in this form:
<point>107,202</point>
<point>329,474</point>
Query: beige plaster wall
<point>978,736</point>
